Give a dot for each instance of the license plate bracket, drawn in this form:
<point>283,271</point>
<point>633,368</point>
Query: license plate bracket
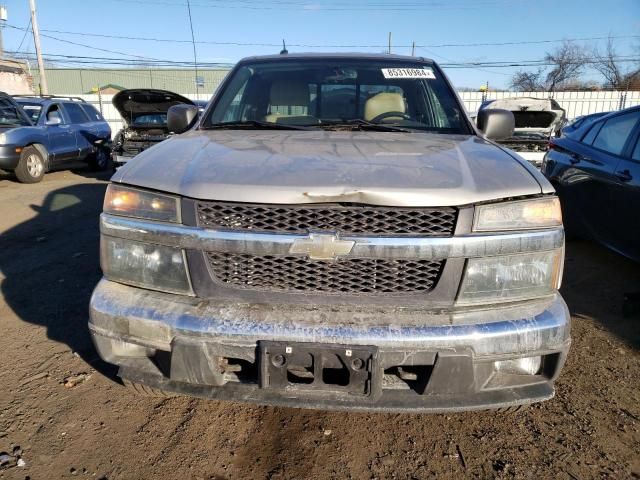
<point>319,368</point>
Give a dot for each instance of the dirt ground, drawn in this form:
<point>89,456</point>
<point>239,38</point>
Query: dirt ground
<point>94,428</point>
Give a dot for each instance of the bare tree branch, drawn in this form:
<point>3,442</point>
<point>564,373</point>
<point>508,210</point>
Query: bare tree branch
<point>607,66</point>
<point>524,81</point>
<point>614,75</point>
<point>568,62</point>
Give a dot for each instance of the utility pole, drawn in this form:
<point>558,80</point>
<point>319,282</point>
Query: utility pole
<point>389,42</point>
<point>3,19</point>
<point>413,49</point>
<point>44,88</point>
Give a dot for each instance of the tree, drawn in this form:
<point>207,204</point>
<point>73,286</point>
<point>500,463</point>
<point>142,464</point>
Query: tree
<point>568,61</point>
<point>523,81</point>
<point>610,67</point>
<point>566,64</point>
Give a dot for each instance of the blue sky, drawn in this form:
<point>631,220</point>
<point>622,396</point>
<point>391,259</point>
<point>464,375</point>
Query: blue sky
<point>330,22</point>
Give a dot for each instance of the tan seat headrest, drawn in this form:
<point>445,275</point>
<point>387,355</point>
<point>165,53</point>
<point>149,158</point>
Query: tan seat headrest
<point>382,103</point>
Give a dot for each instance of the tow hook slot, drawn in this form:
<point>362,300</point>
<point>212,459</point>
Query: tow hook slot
<point>319,368</point>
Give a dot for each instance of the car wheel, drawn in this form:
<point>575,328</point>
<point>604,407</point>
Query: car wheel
<point>100,160</point>
<point>31,166</point>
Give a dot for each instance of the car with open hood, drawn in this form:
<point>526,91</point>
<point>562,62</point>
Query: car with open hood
<point>144,111</point>
<point>537,120</point>
<point>334,232</point>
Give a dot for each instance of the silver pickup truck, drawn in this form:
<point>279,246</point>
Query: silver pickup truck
<point>333,232</point>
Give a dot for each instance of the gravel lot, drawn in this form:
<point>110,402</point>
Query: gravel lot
<point>93,428</point>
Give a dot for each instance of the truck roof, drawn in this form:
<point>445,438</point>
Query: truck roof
<point>333,56</point>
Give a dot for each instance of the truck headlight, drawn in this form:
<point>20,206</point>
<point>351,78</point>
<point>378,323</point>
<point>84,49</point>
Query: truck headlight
<point>132,202</point>
<point>155,267</point>
<point>511,277</point>
<point>520,215</point>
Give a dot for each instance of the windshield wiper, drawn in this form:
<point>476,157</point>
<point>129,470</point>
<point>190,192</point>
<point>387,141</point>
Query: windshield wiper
<point>359,124</point>
<point>253,124</point>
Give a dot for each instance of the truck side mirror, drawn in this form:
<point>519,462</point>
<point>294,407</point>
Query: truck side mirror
<point>496,124</point>
<point>181,118</point>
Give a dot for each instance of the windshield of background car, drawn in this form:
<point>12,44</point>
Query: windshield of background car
<point>322,93</point>
<point>151,119</point>
<point>32,110</point>
<point>10,114</point>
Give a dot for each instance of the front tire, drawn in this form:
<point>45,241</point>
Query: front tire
<point>100,160</point>
<point>31,166</point>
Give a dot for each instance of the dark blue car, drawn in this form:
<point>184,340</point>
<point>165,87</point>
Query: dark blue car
<point>596,172</point>
<point>579,122</point>
<point>39,133</point>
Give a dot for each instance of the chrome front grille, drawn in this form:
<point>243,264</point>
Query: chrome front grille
<point>346,276</point>
<point>344,219</point>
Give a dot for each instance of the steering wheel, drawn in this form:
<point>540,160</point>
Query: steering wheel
<point>384,115</point>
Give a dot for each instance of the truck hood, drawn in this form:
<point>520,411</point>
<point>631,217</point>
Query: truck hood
<point>401,169</point>
<point>134,102</point>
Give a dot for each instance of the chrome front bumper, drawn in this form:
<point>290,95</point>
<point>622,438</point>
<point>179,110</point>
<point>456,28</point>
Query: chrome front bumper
<point>178,343</point>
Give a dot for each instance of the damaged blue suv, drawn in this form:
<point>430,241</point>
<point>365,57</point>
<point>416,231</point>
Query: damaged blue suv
<point>39,133</point>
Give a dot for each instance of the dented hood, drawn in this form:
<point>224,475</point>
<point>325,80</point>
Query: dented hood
<point>402,169</point>
<point>143,101</point>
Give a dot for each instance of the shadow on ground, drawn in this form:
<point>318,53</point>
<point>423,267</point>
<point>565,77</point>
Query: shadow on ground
<point>51,265</point>
<point>595,282</point>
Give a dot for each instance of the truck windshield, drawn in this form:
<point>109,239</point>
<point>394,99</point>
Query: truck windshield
<point>339,94</point>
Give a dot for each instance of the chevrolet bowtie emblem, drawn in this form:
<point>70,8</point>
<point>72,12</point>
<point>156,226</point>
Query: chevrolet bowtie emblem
<point>322,247</point>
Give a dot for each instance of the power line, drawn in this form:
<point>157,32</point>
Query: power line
<point>304,3</point>
<point>61,58</point>
<point>305,45</point>
<point>390,7</point>
<point>538,63</point>
<point>26,32</point>
<point>474,68</point>
<point>52,57</point>
<point>193,41</point>
<point>85,46</point>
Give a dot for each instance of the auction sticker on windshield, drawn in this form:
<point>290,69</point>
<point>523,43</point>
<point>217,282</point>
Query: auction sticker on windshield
<point>408,73</point>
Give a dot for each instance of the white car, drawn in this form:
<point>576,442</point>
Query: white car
<point>537,120</point>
